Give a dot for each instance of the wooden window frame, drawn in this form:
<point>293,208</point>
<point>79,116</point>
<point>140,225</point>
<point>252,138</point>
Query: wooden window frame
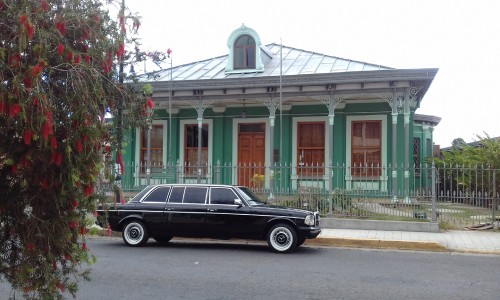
<point>363,170</point>
<point>143,148</point>
<point>193,169</point>
<point>245,50</point>
<point>313,168</point>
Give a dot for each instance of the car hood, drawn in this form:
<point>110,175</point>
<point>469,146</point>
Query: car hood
<point>282,210</point>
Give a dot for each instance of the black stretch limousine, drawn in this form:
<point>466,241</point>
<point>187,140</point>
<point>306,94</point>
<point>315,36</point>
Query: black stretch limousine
<point>209,211</point>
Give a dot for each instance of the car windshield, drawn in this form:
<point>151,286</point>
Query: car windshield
<point>249,197</point>
<point>139,196</point>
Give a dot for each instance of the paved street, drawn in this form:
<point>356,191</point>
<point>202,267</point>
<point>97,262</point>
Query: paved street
<point>187,270</point>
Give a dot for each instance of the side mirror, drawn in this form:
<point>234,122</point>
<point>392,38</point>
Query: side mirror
<point>238,202</point>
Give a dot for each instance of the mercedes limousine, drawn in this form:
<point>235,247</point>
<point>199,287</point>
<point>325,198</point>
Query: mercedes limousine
<point>209,211</point>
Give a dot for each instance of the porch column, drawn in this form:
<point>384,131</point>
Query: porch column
<point>407,145</point>
<point>272,118</point>
<point>199,110</point>
<point>331,119</point>
<point>394,146</point>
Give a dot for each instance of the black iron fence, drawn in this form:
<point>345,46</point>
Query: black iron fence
<point>453,195</point>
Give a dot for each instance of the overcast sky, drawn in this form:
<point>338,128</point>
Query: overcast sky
<point>459,37</point>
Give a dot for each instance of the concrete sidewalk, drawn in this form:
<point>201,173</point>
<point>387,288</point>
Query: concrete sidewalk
<point>482,242</point>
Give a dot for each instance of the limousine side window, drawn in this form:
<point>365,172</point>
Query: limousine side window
<point>222,196</point>
<point>195,195</point>
<point>158,195</point>
<point>177,194</point>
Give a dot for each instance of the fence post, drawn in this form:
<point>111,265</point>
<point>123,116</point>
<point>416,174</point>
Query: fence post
<point>495,223</point>
<point>217,172</point>
<point>178,172</point>
<point>330,179</point>
<point>434,198</point>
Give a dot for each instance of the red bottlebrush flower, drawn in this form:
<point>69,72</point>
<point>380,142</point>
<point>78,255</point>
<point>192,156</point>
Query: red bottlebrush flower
<point>120,52</point>
<point>88,190</point>
<point>84,247</point>
<point>59,158</point>
<point>61,286</point>
<point>36,70</point>
<point>97,18</point>
<point>23,19</point>
<point>119,159</point>
<point>150,103</point>
<point>30,30</point>
<point>73,225</point>
<point>87,58</point>
<point>60,49</point>
<point>45,5</point>
<point>54,265</point>
<point>53,142</point>
<point>108,231</point>
<point>83,230</point>
<point>61,27</point>
<point>79,145</point>
<point>14,169</point>
<point>15,109</point>
<point>27,82</point>
<point>30,246</point>
<point>78,59</point>
<point>2,107</point>
<point>15,60</point>
<point>169,52</point>
<point>74,203</point>
<point>35,101</point>
<point>46,129</point>
<point>107,149</point>
<point>28,135</point>
<point>69,56</point>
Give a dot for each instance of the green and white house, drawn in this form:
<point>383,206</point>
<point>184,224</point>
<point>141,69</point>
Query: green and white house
<point>281,117</point>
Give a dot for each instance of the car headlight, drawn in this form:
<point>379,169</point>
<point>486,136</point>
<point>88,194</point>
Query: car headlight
<point>309,220</point>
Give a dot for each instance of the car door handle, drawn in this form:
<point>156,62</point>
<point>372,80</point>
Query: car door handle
<point>211,209</point>
<point>170,208</point>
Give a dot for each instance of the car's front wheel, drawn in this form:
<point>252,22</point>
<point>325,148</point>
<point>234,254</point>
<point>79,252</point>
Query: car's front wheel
<point>282,238</point>
<point>135,234</point>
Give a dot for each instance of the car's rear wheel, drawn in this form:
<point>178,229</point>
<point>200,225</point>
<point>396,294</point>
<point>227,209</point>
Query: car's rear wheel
<point>162,239</point>
<point>135,234</point>
<point>282,238</point>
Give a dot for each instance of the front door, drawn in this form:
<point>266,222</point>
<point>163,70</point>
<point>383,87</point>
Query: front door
<point>251,154</point>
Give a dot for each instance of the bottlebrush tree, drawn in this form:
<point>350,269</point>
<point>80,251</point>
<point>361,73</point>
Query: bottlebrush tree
<point>58,79</point>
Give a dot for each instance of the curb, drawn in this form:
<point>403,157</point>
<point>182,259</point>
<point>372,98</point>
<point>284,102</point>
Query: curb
<point>377,244</point>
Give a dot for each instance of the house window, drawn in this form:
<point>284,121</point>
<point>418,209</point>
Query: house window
<point>191,149</point>
<point>310,148</point>
<point>366,148</point>
<point>416,155</point>
<point>244,52</point>
<point>156,147</point>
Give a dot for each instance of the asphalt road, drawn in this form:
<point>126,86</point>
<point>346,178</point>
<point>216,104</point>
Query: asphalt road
<point>209,270</point>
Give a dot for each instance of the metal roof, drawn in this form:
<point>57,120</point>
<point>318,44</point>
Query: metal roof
<point>295,62</point>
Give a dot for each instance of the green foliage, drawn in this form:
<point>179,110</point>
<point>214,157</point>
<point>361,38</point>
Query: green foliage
<point>485,151</point>
<point>58,62</point>
<point>469,168</point>
<point>341,199</point>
